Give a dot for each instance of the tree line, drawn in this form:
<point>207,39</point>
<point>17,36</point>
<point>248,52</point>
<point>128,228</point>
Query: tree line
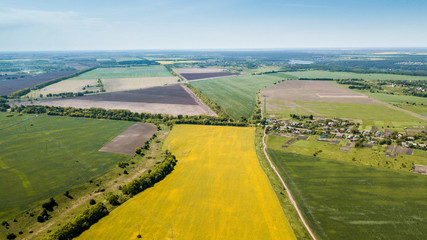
<point>152,177</point>
<point>126,115</point>
<point>81,223</point>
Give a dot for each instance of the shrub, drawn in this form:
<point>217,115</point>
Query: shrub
<point>92,202</point>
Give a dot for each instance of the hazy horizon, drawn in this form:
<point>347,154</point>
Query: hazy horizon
<point>221,25</point>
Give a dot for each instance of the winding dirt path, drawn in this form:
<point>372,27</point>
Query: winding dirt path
<point>286,187</point>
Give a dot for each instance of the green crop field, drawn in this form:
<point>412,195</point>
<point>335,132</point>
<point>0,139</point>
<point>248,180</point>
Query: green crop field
<point>128,72</point>
<point>342,200</point>
<point>348,75</point>
<point>43,156</point>
<point>237,94</point>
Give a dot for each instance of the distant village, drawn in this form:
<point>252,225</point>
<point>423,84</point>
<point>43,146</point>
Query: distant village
<point>334,129</point>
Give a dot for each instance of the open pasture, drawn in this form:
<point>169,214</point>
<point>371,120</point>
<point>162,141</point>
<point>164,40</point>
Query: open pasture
<point>237,94</point>
<point>43,156</point>
<point>349,75</point>
<point>174,99</point>
<point>217,191</point>
<point>323,98</point>
<point>342,200</point>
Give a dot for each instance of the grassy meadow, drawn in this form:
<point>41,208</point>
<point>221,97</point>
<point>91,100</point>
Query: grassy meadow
<point>348,75</point>
<point>237,94</point>
<point>43,156</point>
<point>342,200</point>
<point>402,101</point>
<point>217,191</point>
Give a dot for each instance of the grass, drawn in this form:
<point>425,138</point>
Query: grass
<point>217,191</point>
<point>342,200</point>
<point>348,75</point>
<point>43,156</point>
<point>128,72</point>
<point>402,101</point>
<point>237,94</point>
<point>364,156</point>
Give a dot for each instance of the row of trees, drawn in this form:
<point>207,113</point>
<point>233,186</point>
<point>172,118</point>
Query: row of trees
<point>126,115</point>
<point>81,223</point>
<point>149,179</point>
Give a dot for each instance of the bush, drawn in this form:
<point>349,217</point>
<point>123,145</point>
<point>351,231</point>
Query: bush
<point>11,236</point>
<point>113,199</point>
<point>49,205</point>
<point>92,202</point>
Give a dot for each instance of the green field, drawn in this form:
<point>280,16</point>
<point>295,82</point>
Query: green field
<point>342,200</point>
<point>128,72</point>
<point>348,75</point>
<point>43,156</point>
<point>237,94</point>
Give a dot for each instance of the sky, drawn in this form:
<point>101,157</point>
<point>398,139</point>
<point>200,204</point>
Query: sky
<point>46,25</point>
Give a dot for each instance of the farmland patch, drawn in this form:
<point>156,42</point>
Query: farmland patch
<point>10,83</point>
<point>43,156</point>
<point>347,201</point>
<point>133,137</point>
<point>349,75</point>
<point>237,94</point>
<point>173,99</point>
<point>323,98</point>
<point>217,190</point>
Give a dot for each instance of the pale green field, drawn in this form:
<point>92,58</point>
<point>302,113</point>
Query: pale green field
<point>217,190</point>
<point>128,72</point>
<point>347,75</point>
<point>359,111</point>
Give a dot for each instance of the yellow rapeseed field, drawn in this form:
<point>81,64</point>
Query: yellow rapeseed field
<point>217,191</point>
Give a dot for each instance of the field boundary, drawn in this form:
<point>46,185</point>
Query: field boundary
<point>286,187</point>
<point>199,102</point>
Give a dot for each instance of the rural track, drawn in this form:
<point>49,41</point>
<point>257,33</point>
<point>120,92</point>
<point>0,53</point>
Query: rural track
<point>207,110</point>
<point>286,187</point>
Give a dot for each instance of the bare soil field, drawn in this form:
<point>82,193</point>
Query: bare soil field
<point>173,94</point>
<point>124,84</point>
<point>324,98</point>
<point>10,83</point>
<point>316,91</point>
<point>198,76</point>
<point>173,100</point>
<point>133,137</point>
<point>191,74</point>
<point>197,70</point>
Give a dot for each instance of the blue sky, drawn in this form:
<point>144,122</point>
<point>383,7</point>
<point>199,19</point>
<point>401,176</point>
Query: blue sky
<point>221,24</point>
